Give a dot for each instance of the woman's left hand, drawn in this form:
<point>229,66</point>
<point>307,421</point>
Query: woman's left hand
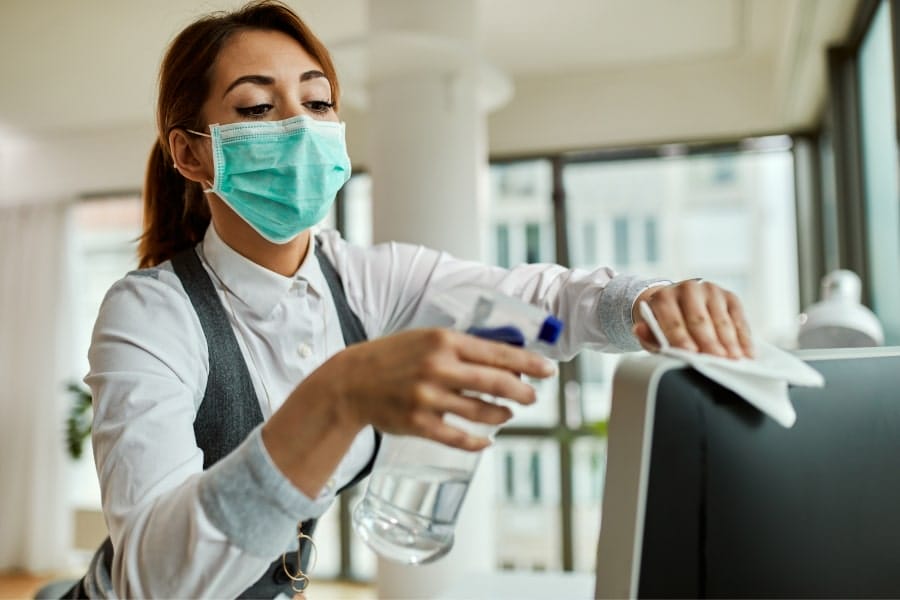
<point>695,315</point>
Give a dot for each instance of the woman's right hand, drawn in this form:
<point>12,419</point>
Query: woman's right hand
<point>405,383</point>
<point>402,384</point>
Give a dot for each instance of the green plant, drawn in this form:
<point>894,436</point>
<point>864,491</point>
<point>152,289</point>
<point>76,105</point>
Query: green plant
<point>600,428</point>
<point>78,423</point>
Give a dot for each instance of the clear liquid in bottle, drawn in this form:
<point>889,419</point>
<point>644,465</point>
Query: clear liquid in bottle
<point>408,513</point>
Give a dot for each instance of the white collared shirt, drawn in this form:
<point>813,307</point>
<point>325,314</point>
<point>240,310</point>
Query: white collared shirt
<point>179,531</point>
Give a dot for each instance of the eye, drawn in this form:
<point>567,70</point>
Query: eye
<point>319,106</point>
<point>254,112</point>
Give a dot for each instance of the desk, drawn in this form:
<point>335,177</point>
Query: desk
<point>522,585</point>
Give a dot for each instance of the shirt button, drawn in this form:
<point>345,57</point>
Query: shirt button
<point>304,350</point>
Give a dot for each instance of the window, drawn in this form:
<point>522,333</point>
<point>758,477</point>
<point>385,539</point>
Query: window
<point>521,213</point>
<point>589,462</point>
<point>104,249</point>
<point>880,176</point>
<point>355,211</point>
<point>589,242</point>
<point>527,513</point>
<point>651,241</point>
<point>621,253</point>
<point>726,217</point>
<point>502,233</point>
<point>667,218</point>
<point>532,243</point>
<point>724,169</point>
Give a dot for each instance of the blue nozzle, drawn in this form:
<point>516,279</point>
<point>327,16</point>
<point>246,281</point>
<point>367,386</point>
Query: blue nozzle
<point>510,335</point>
<point>550,330</point>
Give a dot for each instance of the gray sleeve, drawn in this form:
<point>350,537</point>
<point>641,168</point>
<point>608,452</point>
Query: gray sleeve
<point>615,307</point>
<point>248,499</point>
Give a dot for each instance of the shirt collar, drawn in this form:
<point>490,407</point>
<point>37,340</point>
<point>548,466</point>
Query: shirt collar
<point>257,287</point>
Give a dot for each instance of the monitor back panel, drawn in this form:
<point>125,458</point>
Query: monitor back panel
<point>738,506</point>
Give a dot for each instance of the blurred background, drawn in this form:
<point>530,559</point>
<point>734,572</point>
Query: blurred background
<point>750,142</point>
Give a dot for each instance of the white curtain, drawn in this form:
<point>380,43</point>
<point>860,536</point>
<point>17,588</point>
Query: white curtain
<point>35,364</point>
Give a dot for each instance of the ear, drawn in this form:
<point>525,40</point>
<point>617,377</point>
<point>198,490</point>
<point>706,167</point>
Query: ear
<point>192,159</point>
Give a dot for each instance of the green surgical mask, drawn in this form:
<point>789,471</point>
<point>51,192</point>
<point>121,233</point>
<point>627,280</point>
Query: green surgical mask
<point>280,177</point>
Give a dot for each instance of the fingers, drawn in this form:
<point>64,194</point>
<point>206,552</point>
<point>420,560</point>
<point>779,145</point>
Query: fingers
<point>645,336</point>
<point>504,356</point>
<point>426,419</point>
<point>724,325</point>
<point>457,361</point>
<point>700,317</point>
<point>406,383</point>
<point>486,380</point>
<point>436,400</point>
<point>669,315</point>
<point>433,427</point>
<point>740,323</point>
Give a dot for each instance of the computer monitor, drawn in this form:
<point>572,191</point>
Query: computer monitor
<point>707,497</point>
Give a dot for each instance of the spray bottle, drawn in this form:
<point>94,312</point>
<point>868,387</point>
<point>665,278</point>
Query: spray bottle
<point>417,487</point>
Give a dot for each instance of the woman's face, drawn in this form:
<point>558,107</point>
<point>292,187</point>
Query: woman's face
<point>259,75</point>
<point>266,75</point>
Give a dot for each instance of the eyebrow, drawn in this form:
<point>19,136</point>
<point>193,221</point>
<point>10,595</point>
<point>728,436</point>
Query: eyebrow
<point>266,80</point>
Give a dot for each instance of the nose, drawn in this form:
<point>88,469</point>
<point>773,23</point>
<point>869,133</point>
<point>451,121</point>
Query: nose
<point>294,108</point>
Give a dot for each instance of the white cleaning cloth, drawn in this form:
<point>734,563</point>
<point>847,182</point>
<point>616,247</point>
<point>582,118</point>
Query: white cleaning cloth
<point>762,381</point>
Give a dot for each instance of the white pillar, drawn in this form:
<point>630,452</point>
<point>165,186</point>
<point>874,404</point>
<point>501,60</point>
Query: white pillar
<point>428,150</point>
<point>428,163</point>
<point>426,96</point>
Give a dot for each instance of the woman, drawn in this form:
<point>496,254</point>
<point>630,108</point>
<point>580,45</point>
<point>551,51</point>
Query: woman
<point>227,408</point>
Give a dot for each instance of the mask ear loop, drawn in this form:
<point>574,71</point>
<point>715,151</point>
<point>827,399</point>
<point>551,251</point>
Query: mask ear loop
<point>209,185</point>
<point>300,576</point>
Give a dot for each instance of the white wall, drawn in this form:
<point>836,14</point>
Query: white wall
<point>621,108</point>
<point>53,168</point>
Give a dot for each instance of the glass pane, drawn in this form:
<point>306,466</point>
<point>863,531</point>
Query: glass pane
<point>520,208</point>
<point>330,219</point>
<point>528,511</point>
<point>588,475</point>
<point>544,412</point>
<point>521,226</point>
<point>327,553</point>
<point>651,241</point>
<point>502,233</point>
<point>831,258</point>
<point>532,242</point>
<point>621,257</point>
<point>727,218</point>
<point>357,204</point>
<point>104,249</point>
<point>589,242</point>
<point>880,162</point>
<point>595,385</point>
<point>363,561</point>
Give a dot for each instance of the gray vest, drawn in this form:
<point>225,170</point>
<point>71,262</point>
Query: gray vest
<point>230,408</point>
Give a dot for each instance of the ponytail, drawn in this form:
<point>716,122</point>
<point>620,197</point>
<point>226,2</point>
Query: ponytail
<point>176,213</point>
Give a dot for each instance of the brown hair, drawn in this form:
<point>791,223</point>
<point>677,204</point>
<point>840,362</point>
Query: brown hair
<point>176,213</point>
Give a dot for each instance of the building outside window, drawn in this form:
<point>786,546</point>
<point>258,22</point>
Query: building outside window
<point>521,213</point>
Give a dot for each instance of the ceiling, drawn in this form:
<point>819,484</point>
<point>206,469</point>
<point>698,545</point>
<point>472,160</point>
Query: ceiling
<point>72,66</point>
